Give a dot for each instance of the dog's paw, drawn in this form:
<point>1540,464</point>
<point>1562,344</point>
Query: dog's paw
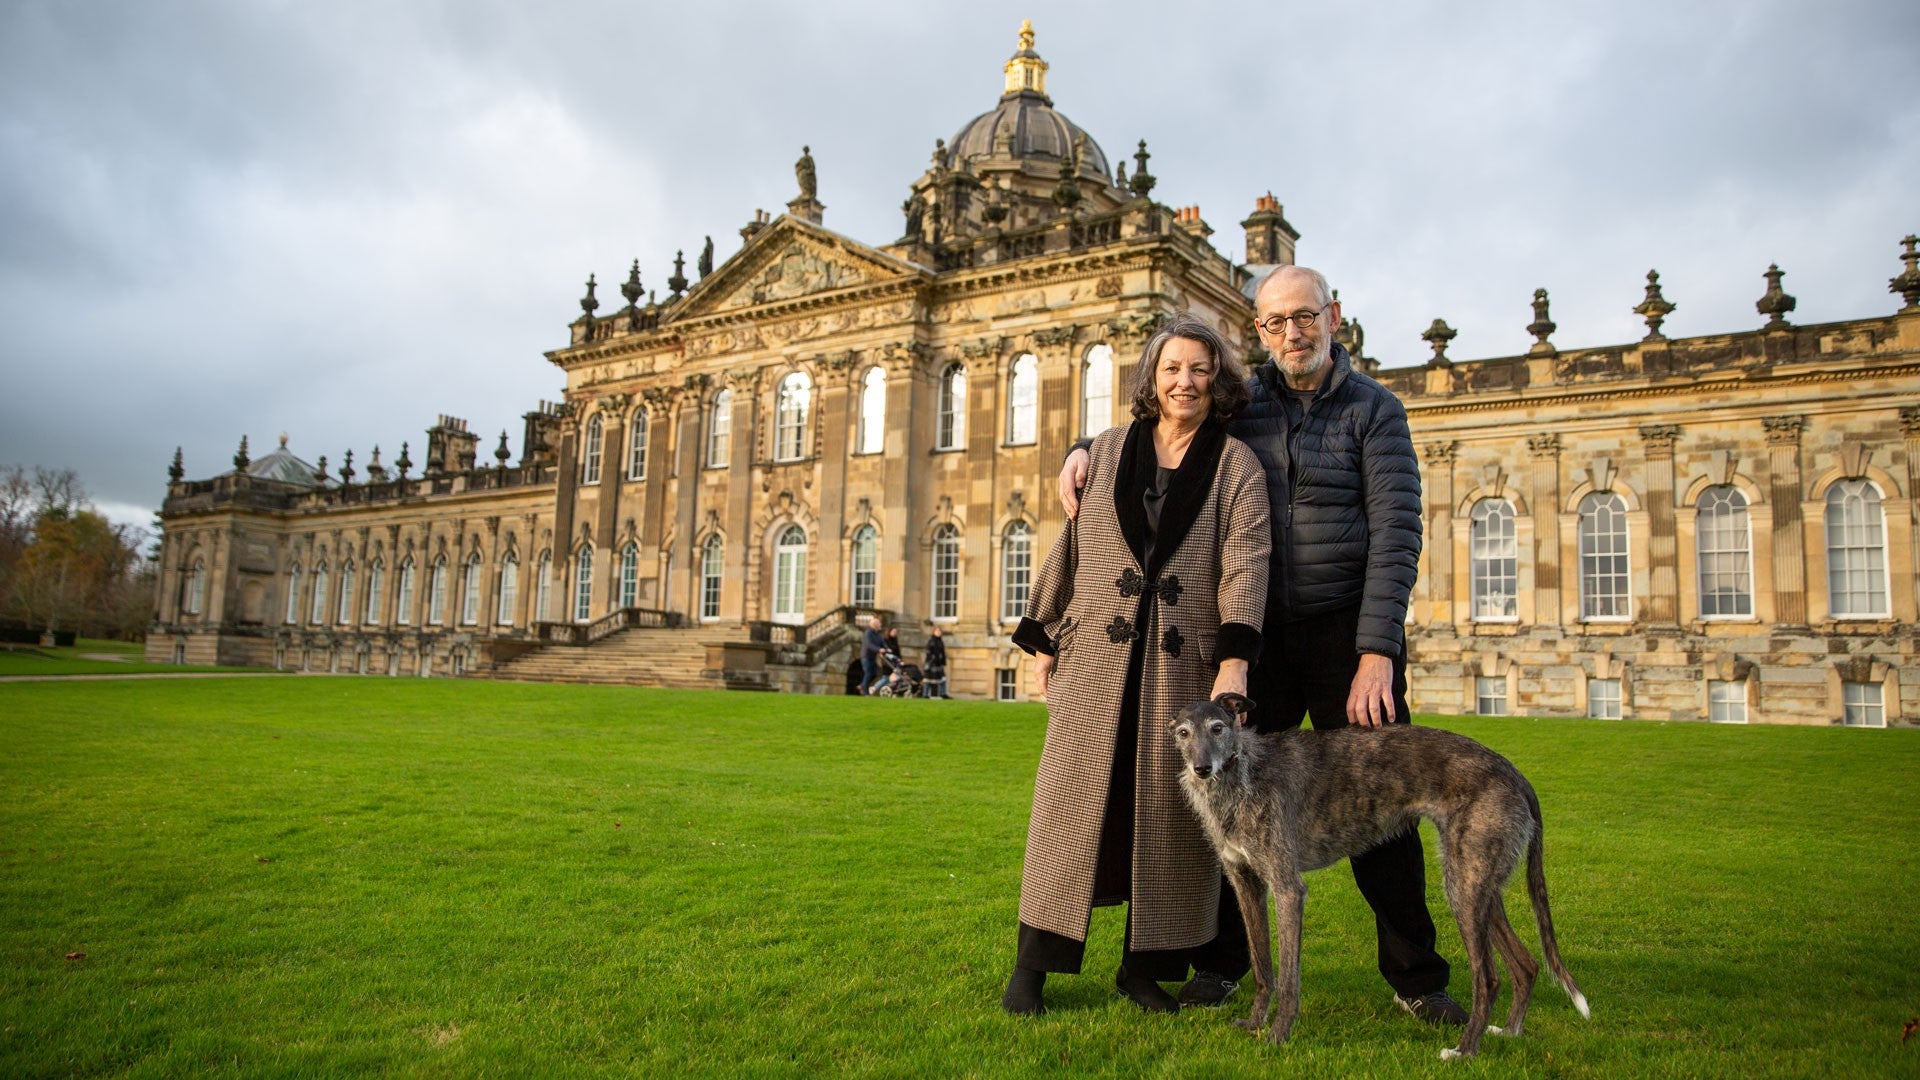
<point>1496,1029</point>
<point>1453,1054</point>
<point>1247,1023</point>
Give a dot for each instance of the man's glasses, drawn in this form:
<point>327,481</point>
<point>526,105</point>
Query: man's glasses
<point>1277,324</point>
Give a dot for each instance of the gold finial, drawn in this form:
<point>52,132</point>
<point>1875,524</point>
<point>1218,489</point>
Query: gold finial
<point>1026,71</point>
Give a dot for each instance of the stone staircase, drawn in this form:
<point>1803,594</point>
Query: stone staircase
<point>634,657</point>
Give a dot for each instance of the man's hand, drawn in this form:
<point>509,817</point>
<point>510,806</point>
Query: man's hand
<point>1073,477</point>
<point>1231,678</point>
<point>1042,671</point>
<point>1370,702</point>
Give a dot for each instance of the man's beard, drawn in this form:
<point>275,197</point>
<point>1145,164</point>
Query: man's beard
<point>1305,368</point>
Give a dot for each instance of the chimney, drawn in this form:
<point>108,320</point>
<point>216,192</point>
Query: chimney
<point>1270,239</point>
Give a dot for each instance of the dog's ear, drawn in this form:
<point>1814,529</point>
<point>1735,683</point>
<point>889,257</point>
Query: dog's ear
<point>1237,704</point>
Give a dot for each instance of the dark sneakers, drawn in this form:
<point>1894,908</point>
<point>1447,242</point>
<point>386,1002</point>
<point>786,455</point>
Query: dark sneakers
<point>1437,1008</point>
<point>1144,992</point>
<point>1207,988</point>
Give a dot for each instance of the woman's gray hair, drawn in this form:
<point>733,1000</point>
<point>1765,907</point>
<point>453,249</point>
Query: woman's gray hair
<point>1229,385</point>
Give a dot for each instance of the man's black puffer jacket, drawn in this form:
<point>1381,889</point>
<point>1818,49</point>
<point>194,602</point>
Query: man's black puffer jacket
<point>1345,490</point>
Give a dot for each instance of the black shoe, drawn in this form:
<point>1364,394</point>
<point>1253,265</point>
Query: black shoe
<point>1144,992</point>
<point>1437,1008</point>
<point>1023,993</point>
<point>1207,988</point>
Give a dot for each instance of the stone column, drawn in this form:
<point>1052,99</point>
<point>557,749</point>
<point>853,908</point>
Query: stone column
<point>985,376</point>
<point>743,440</point>
<point>167,595</point>
<point>689,434</point>
<point>1789,540</point>
<point>213,604</point>
<point>912,373</point>
<point>1440,457</point>
<point>566,486</point>
<point>659,406</point>
<point>1663,601</point>
<point>613,441</point>
<point>390,588</point>
<point>1545,451</point>
<point>1910,428</point>
<point>486,617</point>
<point>836,410</point>
<point>1056,428</point>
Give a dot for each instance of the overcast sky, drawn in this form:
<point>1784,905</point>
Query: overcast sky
<point>338,220</point>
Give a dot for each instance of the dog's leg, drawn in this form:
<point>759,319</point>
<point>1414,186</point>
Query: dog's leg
<point>1520,967</point>
<point>1289,901</point>
<point>1474,913</point>
<point>1251,892</point>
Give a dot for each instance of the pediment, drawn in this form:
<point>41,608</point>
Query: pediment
<point>787,260</point>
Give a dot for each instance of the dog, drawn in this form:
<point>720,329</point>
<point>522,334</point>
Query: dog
<point>1278,805</point>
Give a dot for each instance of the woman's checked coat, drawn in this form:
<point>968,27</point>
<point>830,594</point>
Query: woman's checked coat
<point>1122,613</point>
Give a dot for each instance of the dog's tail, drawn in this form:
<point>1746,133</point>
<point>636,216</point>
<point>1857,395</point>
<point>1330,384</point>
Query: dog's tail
<point>1537,891</point>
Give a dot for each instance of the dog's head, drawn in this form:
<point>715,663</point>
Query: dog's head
<point>1208,733</point>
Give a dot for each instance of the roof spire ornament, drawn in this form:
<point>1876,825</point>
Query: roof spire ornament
<point>1776,303</point>
<point>376,472</point>
<point>403,462</point>
<point>320,471</point>
<point>501,453</point>
<point>677,284</point>
<point>587,305</point>
<point>1026,72</point>
<point>1654,308</point>
<point>177,471</point>
<point>1142,181</point>
<point>1908,284</point>
<point>1541,327</point>
<point>240,459</point>
<point>632,288</point>
<point>346,469</point>
<point>1437,336</point>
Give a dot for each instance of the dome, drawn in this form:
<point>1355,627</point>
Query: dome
<point>1025,125</point>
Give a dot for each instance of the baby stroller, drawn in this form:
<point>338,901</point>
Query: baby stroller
<point>903,679</point>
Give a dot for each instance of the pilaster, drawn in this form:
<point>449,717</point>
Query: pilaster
<point>1545,453</point>
<point>1662,543</point>
<point>1440,458</point>
<point>1789,544</point>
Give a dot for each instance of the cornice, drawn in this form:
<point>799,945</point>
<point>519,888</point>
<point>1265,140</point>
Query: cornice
<point>1486,404</point>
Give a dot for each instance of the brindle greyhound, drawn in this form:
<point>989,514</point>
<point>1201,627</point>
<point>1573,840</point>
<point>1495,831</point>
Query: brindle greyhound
<point>1276,806</point>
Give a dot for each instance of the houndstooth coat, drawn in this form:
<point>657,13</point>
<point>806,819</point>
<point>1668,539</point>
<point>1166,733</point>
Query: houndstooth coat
<point>1114,601</point>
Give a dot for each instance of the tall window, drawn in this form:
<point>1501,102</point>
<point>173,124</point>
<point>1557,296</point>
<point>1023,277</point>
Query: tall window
<point>866,565</point>
<point>946,573</point>
<point>317,603</point>
<point>1726,553</point>
<point>1864,704</point>
<point>1023,401</point>
<point>1603,699</point>
<point>1016,570</point>
<point>1603,557</point>
<point>583,584</point>
<point>590,455</point>
<point>637,446</point>
<point>293,594</point>
<point>873,412</point>
<point>470,591</point>
<point>403,595</point>
<point>543,588</point>
<point>790,576</point>
<point>509,585</point>
<point>1856,550</point>
<point>630,575</point>
<point>792,404</point>
<point>1096,392</point>
<point>711,567</point>
<point>196,586</point>
<point>437,592</point>
<point>719,425</point>
<point>344,612</point>
<point>1495,554</point>
<point>1727,701</point>
<point>1490,695</point>
<point>376,580</point>
<point>951,424</point>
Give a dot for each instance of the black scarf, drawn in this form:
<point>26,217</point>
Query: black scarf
<point>1192,481</point>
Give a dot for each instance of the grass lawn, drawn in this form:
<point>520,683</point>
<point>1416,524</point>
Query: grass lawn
<point>88,656</point>
<point>444,877</point>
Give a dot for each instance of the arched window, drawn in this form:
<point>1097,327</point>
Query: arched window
<point>793,403</point>
<point>950,430</point>
<point>630,575</point>
<point>637,446</point>
<point>293,594</point>
<point>1096,392</point>
<point>590,454</point>
<point>195,586</point>
<point>543,588</point>
<point>376,580</point>
<point>1495,555</point>
<point>437,592</point>
<point>946,572</point>
<point>403,595</point>
<point>719,424</point>
<point>1023,401</point>
<point>873,412</point>
<point>711,567</point>
<point>1016,570</point>
<point>509,586</point>
<point>1603,557</point>
<point>470,591</point>
<point>790,576</point>
<point>583,584</point>
<point>1725,556</point>
<point>317,603</point>
<point>344,611</point>
<point>1856,550</point>
<point>866,566</point>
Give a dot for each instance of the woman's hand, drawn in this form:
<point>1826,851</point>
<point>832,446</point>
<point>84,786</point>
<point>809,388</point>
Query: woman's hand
<point>1042,671</point>
<point>1231,678</point>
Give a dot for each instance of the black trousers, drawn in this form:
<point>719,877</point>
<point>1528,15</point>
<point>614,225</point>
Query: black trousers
<point>1306,670</point>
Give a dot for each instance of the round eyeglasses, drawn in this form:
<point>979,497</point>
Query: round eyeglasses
<point>1277,324</point>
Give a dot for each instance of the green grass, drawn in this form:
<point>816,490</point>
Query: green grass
<point>89,656</point>
<point>331,876</point>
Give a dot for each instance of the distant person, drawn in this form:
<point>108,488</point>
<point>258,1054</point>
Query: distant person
<point>936,673</point>
<point>872,643</point>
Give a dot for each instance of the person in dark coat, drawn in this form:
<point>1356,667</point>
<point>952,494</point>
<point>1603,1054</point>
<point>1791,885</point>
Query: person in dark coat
<point>1344,485</point>
<point>872,643</point>
<point>1147,602</point>
<point>936,668</point>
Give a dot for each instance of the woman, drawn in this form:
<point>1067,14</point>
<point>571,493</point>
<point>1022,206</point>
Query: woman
<point>1163,576</point>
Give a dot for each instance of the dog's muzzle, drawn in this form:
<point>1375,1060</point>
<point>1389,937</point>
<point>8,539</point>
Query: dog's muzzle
<point>1205,772</point>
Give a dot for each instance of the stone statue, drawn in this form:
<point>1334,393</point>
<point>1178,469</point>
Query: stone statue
<point>916,209</point>
<point>809,183</point>
<point>706,258</point>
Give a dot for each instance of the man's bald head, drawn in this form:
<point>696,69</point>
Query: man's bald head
<point>1284,276</point>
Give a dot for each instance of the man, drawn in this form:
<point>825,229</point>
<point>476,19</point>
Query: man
<point>872,644</point>
<point>1345,491</point>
